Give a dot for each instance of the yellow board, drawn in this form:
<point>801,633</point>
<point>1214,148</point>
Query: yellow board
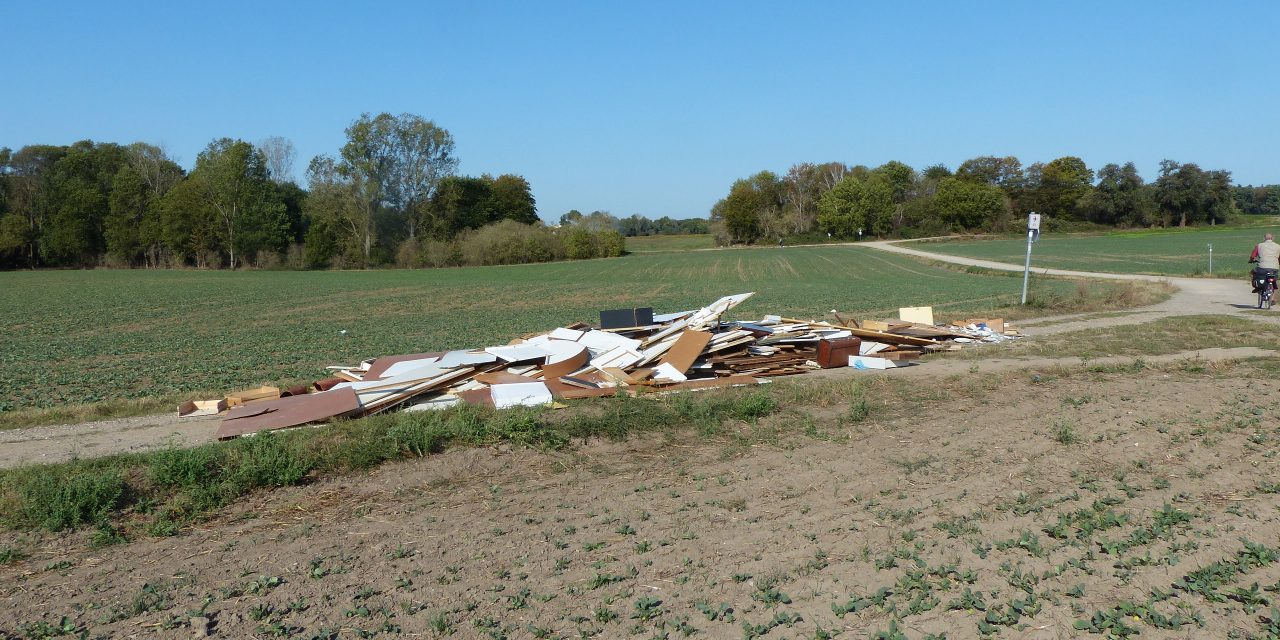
<point>922,315</point>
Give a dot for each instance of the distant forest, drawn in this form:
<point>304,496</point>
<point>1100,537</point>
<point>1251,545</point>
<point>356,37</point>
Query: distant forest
<point>985,194</point>
<point>389,196</point>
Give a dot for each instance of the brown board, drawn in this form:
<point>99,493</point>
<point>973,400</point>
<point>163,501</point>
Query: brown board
<point>287,412</point>
<point>686,349</point>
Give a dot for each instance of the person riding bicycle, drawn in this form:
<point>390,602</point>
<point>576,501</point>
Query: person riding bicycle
<point>1267,255</point>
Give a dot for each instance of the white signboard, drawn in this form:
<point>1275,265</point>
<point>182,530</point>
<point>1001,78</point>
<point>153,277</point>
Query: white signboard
<point>1033,222</point>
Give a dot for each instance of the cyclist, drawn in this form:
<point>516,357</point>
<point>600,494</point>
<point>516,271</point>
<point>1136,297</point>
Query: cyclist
<point>1267,255</point>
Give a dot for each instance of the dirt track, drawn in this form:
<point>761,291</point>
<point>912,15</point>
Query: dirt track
<point>1195,296</point>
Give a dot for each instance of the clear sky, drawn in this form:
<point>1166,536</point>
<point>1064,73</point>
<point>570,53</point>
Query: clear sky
<point>656,107</point>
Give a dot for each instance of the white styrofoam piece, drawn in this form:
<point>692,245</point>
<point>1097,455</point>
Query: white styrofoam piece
<point>518,352</point>
<point>561,333</point>
<point>668,373</point>
<point>528,394</point>
<point>602,341</point>
<point>461,358</point>
<point>407,365</point>
<point>869,347</point>
<point>870,362</point>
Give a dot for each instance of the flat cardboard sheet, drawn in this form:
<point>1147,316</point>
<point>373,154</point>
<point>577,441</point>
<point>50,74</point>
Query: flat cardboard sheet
<point>287,412</point>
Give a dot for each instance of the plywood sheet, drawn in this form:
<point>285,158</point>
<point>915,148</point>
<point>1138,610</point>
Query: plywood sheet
<point>686,349</point>
<point>287,412</point>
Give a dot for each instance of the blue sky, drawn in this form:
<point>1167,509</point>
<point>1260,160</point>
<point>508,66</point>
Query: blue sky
<point>656,107</point>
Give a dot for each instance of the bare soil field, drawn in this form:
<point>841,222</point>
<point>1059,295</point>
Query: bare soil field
<point>1120,497</point>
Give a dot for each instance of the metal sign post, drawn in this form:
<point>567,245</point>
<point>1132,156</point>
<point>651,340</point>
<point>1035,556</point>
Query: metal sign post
<point>1210,258</point>
<point>1033,231</point>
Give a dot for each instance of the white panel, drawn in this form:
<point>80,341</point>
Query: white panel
<point>528,394</point>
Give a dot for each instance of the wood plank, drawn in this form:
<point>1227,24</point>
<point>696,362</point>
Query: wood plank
<point>891,338</point>
<point>686,349</point>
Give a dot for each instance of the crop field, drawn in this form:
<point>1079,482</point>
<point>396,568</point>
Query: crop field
<point>650,244</point>
<point>1175,253</point>
<point>75,337</point>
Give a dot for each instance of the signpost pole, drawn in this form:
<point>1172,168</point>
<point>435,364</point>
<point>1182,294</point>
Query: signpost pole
<point>1211,258</point>
<point>1033,230</point>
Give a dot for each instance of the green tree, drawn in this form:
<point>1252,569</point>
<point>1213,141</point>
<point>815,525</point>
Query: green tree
<point>752,207</point>
<point>856,204</point>
<point>235,182</point>
<point>422,155</point>
<point>570,217</point>
<point>511,198</point>
<point>1192,194</point>
<point>1120,198</point>
<point>339,212</point>
<point>79,189</point>
<point>969,205</point>
<point>461,202</point>
<point>1059,186</point>
<point>28,179</point>
<point>124,225</point>
<point>1005,172</point>
<point>188,224</point>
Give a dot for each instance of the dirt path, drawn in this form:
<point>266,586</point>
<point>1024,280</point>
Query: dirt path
<point>1195,296</point>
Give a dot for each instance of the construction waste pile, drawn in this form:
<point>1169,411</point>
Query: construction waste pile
<point>632,351</point>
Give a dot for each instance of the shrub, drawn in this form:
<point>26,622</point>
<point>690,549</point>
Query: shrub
<point>57,501</point>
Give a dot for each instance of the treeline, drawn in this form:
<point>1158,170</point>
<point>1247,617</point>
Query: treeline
<point>634,225</point>
<point>389,196</point>
<point>983,194</point>
<point>1263,200</point>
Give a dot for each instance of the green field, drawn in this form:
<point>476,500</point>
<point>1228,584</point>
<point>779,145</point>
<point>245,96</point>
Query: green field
<point>1173,252</point>
<point>651,244</point>
<point>75,337</point>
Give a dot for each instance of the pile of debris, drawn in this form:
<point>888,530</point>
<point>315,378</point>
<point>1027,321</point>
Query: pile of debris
<point>632,351</point>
